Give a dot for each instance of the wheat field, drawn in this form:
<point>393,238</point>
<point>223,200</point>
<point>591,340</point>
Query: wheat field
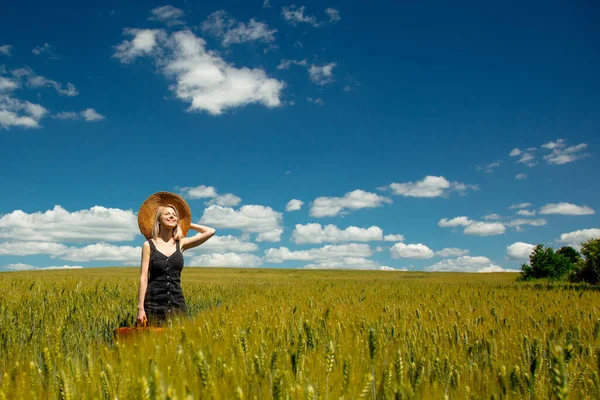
<point>299,334</point>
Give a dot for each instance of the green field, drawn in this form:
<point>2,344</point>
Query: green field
<point>298,334</point>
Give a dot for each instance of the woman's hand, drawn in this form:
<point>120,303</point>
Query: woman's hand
<point>141,317</point>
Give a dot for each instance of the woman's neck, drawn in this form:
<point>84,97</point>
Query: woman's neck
<point>166,234</point>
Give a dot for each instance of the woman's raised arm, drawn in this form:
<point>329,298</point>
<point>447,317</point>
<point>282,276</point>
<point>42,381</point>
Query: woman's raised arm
<point>204,233</point>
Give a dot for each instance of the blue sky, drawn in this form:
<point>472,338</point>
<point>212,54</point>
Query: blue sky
<point>403,135</point>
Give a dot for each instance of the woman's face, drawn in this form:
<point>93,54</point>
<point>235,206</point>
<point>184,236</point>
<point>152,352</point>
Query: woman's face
<point>168,217</point>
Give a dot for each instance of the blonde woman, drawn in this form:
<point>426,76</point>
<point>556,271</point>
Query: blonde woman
<point>160,296</point>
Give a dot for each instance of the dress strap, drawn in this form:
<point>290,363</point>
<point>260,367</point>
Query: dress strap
<point>152,246</point>
<point>177,245</point>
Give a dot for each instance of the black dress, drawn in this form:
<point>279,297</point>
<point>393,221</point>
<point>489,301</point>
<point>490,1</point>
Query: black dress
<point>164,297</point>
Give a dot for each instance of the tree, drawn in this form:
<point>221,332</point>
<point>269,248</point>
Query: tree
<point>545,263</point>
<point>590,265</point>
<point>569,252</point>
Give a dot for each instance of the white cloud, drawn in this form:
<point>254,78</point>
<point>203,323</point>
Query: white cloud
<point>430,186</point>
<point>89,114</point>
<point>334,15</point>
<point>199,192</point>
<point>492,217</point>
<point>451,252</point>
<point>19,267</point>
<point>315,233</point>
<point>5,49</point>
<point>566,209</point>
<point>554,145</point>
<point>522,221</point>
<point>455,222</point>
<point>37,81</point>
<point>401,250</point>
<point>393,238</point>
<point>281,254</point>
<point>17,113</point>
<point>294,205</point>
<point>27,267</point>
<point>295,15</point>
<point>322,74</point>
<point>358,263</point>
<point>515,152</point>
<point>489,168</point>
<point>45,48</point>
<point>31,248</point>
<point>66,115</point>
<point>485,228</point>
<point>266,4</point>
<point>521,176</point>
<point>168,15</point>
<point>103,252</point>
<point>560,154</point>
<point>316,100</point>
<point>519,251</point>
<point>465,264</point>
<point>285,64</point>
<point>7,84</point>
<point>519,205</point>
<point>239,260</point>
<point>527,159</point>
<point>496,268</point>
<point>202,78</point>
<point>59,225</point>
<point>231,31</point>
<point>224,244</point>
<point>144,42</point>
<point>526,213</point>
<point>63,267</point>
<point>575,238</point>
<point>225,200</point>
<point>261,220</point>
<point>203,192</point>
<point>355,200</point>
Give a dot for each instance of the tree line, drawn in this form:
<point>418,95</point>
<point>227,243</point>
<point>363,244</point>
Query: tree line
<point>566,263</point>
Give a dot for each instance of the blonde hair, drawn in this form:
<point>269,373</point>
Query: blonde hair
<point>177,232</point>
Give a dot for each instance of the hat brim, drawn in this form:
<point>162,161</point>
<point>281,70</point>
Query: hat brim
<point>148,209</point>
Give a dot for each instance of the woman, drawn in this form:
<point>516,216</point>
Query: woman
<point>160,295</point>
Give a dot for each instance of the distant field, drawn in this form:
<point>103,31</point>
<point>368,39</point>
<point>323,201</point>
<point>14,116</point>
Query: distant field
<point>263,333</point>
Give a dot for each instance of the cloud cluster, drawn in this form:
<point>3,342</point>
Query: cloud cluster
<point>429,186</point>
<point>472,227</point>
<point>89,114</point>
<point>281,254</point>
<point>467,264</point>
<point>295,15</point>
<point>355,200</point>
<point>230,31</point>
<point>319,74</point>
<point>315,233</point>
<point>59,225</point>
<point>419,251</point>
<point>201,77</point>
<point>236,260</point>
<point>263,221</point>
<point>28,267</point>
<point>575,238</point>
<point>561,154</point>
<point>209,192</point>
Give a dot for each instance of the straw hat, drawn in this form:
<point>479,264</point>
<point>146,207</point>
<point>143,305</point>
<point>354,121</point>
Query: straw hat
<point>148,209</point>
